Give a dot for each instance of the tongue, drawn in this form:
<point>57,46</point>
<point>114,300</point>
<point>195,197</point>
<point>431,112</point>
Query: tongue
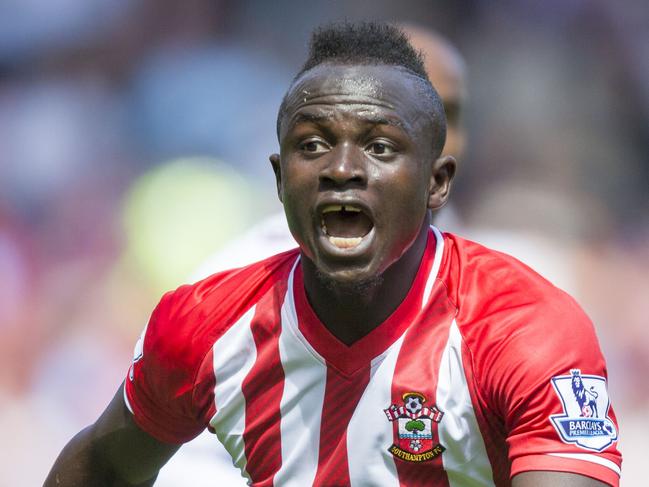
<point>347,224</point>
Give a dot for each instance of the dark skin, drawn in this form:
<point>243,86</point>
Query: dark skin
<point>356,143</point>
<point>112,452</point>
<point>353,135</point>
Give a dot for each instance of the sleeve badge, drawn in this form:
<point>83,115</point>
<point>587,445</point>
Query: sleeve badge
<point>584,421</point>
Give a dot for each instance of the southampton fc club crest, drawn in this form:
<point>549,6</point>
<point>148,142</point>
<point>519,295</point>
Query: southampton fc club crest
<point>585,420</point>
<point>414,435</point>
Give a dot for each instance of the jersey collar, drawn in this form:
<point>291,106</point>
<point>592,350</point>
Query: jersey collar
<point>349,359</point>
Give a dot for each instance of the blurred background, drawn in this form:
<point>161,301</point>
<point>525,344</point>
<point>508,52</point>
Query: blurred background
<point>134,137</point>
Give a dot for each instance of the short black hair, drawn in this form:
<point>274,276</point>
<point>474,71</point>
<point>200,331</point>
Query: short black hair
<point>363,43</point>
<point>371,43</point>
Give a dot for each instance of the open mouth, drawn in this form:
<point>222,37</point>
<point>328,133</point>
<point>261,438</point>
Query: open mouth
<point>345,225</point>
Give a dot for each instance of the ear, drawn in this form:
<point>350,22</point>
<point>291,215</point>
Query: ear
<point>274,161</point>
<point>441,176</point>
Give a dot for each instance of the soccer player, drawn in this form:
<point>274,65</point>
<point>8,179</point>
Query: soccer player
<point>381,351</point>
<point>204,457</point>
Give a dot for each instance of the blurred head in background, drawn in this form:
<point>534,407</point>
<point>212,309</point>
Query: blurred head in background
<point>446,70</point>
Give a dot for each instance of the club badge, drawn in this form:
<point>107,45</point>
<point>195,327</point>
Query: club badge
<point>585,420</point>
<point>414,430</point>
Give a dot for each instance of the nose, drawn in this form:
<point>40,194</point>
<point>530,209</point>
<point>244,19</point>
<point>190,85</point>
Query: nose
<point>345,166</point>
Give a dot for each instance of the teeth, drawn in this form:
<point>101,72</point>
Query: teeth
<point>330,208</point>
<point>351,208</point>
<point>340,242</point>
<point>345,242</point>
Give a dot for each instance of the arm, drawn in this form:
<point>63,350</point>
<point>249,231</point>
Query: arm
<point>114,451</point>
<point>554,479</point>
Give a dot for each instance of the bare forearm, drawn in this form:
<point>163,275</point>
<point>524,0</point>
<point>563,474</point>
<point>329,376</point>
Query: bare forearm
<point>80,464</point>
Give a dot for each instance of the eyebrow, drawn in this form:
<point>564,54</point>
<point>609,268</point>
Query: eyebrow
<point>302,117</point>
<point>306,117</point>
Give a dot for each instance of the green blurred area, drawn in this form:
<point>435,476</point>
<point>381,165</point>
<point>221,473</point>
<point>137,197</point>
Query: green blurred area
<point>178,213</point>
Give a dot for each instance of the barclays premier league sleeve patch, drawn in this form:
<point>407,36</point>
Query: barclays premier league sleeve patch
<point>585,420</point>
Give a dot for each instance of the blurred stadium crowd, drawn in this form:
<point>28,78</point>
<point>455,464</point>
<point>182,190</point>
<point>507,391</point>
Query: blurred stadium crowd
<point>134,137</point>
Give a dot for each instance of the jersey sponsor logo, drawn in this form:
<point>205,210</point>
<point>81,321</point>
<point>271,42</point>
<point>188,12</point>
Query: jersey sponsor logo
<point>413,440</point>
<point>585,420</point>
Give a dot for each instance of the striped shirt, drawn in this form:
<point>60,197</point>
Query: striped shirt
<point>485,370</point>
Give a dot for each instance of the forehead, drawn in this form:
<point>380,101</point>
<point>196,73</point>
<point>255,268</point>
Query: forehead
<point>390,91</point>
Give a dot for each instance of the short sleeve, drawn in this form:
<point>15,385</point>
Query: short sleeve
<point>549,382</point>
<point>160,386</point>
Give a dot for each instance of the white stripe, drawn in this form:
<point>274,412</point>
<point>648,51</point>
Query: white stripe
<point>465,458</point>
<point>234,355</point>
<point>369,434</point>
<point>587,457</point>
<point>126,401</point>
<point>437,260</point>
<point>305,376</point>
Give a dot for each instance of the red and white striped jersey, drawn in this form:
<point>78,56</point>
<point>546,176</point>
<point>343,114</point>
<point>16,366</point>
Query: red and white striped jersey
<point>485,370</point>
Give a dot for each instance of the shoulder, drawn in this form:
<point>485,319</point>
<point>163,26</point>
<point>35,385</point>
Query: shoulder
<point>517,326</point>
<point>486,283</point>
<point>188,320</point>
<point>510,315</point>
<point>171,381</point>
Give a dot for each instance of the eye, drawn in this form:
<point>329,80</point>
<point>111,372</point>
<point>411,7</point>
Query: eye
<point>314,146</point>
<point>380,149</point>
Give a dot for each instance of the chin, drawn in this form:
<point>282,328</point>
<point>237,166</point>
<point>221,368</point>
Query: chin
<point>349,281</point>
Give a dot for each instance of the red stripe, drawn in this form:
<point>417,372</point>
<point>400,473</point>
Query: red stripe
<point>204,384</point>
<point>491,428</point>
<point>262,389</point>
<point>341,397</point>
<point>417,371</point>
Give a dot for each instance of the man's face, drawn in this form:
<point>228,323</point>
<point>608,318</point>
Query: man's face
<point>356,167</point>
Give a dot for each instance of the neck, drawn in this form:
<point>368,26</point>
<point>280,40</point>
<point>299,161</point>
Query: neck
<point>349,312</point>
